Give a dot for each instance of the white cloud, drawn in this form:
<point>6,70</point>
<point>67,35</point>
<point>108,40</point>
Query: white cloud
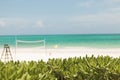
<point>2,23</point>
<point>8,22</point>
<point>100,5</point>
<point>18,22</point>
<point>39,23</point>
<point>115,0</point>
<point>105,12</point>
<point>98,19</point>
<point>110,3</point>
<point>85,4</point>
<point>114,10</point>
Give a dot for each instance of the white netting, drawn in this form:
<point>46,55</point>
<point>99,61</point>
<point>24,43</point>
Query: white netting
<point>30,50</point>
<point>30,44</point>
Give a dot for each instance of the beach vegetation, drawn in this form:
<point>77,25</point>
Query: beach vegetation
<point>77,68</point>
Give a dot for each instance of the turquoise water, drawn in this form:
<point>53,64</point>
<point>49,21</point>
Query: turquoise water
<point>62,41</point>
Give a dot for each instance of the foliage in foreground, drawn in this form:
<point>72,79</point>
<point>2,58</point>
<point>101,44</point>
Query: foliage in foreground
<point>86,68</point>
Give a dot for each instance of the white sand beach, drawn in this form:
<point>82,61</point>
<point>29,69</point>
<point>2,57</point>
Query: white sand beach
<point>36,54</point>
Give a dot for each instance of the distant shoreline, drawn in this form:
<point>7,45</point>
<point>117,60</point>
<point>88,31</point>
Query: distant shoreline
<point>61,34</point>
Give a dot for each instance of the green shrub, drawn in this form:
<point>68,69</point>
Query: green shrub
<point>77,68</point>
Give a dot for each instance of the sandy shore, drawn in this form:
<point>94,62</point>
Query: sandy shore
<point>36,54</point>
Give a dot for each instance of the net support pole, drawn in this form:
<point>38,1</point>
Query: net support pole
<point>45,47</point>
<point>15,46</point>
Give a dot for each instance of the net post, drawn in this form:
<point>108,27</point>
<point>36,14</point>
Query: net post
<point>45,46</point>
<point>15,46</point>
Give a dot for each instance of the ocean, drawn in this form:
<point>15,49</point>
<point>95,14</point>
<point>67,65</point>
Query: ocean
<point>64,40</point>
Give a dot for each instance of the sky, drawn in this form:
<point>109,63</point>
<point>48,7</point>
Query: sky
<point>19,17</point>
